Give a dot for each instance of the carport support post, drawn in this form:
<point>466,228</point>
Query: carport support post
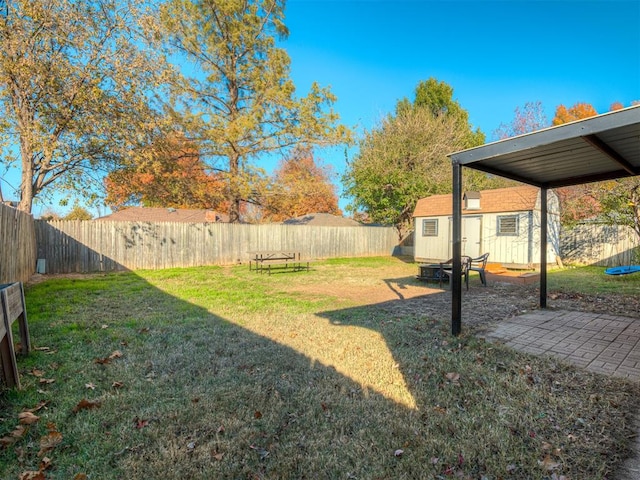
<point>456,276</point>
<point>543,247</point>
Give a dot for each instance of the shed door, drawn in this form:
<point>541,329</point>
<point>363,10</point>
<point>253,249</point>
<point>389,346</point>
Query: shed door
<point>471,236</point>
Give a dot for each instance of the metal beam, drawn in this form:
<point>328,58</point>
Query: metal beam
<point>543,247</point>
<point>597,143</point>
<point>456,274</point>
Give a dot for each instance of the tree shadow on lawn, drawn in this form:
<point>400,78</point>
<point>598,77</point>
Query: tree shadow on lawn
<point>509,414</point>
<point>199,395</point>
<point>191,395</point>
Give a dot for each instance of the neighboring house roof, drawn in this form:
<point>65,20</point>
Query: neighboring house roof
<point>322,219</point>
<point>147,214</point>
<point>510,199</point>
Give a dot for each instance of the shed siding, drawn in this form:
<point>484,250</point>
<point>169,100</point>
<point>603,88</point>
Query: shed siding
<point>520,250</point>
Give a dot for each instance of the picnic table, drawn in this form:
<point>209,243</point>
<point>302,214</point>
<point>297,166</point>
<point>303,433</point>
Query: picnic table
<point>264,260</point>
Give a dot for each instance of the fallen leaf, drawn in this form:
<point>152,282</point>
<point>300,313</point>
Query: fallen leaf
<point>41,349</point>
<point>32,475</point>
<point>40,406</point>
<point>257,414</point>
<point>434,460</point>
<point>324,406</point>
<point>49,442</point>
<point>47,381</point>
<point>195,400</point>
<point>104,326</point>
<point>27,418</point>
<point>216,455</point>
<point>398,453</point>
<point>453,377</point>
<point>13,437</point>
<point>548,463</point>
<point>36,373</point>
<point>220,429</point>
<point>115,354</point>
<point>144,330</point>
<point>45,463</point>
<point>140,423</point>
<point>80,476</point>
<point>90,385</point>
<point>117,385</point>
<point>85,404</point>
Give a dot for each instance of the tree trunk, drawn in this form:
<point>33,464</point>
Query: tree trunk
<point>234,190</point>
<point>26,183</point>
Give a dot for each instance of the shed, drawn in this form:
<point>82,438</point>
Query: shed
<point>504,222</point>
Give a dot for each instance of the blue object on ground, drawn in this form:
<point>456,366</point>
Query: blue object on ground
<point>622,270</point>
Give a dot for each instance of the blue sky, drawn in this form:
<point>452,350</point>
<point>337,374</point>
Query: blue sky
<point>496,55</point>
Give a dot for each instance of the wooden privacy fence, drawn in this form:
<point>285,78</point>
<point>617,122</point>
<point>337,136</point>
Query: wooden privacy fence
<point>603,245</point>
<point>17,245</point>
<point>91,246</point>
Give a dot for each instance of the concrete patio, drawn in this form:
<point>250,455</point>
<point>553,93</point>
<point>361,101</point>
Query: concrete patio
<point>598,342</point>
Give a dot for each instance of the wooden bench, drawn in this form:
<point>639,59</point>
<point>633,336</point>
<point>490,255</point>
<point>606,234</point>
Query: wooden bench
<point>12,308</point>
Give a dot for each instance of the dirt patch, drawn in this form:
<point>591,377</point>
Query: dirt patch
<point>404,295</point>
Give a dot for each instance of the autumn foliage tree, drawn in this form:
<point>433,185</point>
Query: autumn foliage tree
<point>578,111</point>
<point>241,100</point>
<point>76,83</point>
<point>300,186</point>
<point>170,173</point>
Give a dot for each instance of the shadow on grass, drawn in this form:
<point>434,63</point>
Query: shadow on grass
<point>198,395</point>
<point>192,395</point>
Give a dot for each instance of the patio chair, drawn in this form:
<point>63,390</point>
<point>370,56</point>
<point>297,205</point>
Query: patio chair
<point>478,265</point>
<point>446,268</point>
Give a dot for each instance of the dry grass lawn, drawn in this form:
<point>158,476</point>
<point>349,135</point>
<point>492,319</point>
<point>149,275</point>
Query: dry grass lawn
<point>347,371</point>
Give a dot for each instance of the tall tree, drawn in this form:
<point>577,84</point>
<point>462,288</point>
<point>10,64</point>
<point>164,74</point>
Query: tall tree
<point>405,158</point>
<point>437,97</point>
<point>74,90</point>
<point>527,119</point>
<point>578,111</point>
<point>300,186</point>
<point>242,98</point>
<point>169,173</point>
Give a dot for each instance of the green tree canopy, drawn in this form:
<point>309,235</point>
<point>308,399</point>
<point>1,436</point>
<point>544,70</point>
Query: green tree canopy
<point>405,157</point>
<point>75,90</point>
<point>242,101</point>
<point>78,213</point>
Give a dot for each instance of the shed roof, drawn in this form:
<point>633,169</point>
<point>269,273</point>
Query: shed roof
<point>603,147</point>
<point>510,199</point>
<point>149,214</point>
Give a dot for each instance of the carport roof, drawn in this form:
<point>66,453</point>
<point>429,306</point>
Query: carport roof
<point>598,148</point>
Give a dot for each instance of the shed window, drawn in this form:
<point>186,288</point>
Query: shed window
<point>430,228</point>
<point>508,225</point>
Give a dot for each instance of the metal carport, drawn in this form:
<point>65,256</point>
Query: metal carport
<point>604,147</point>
